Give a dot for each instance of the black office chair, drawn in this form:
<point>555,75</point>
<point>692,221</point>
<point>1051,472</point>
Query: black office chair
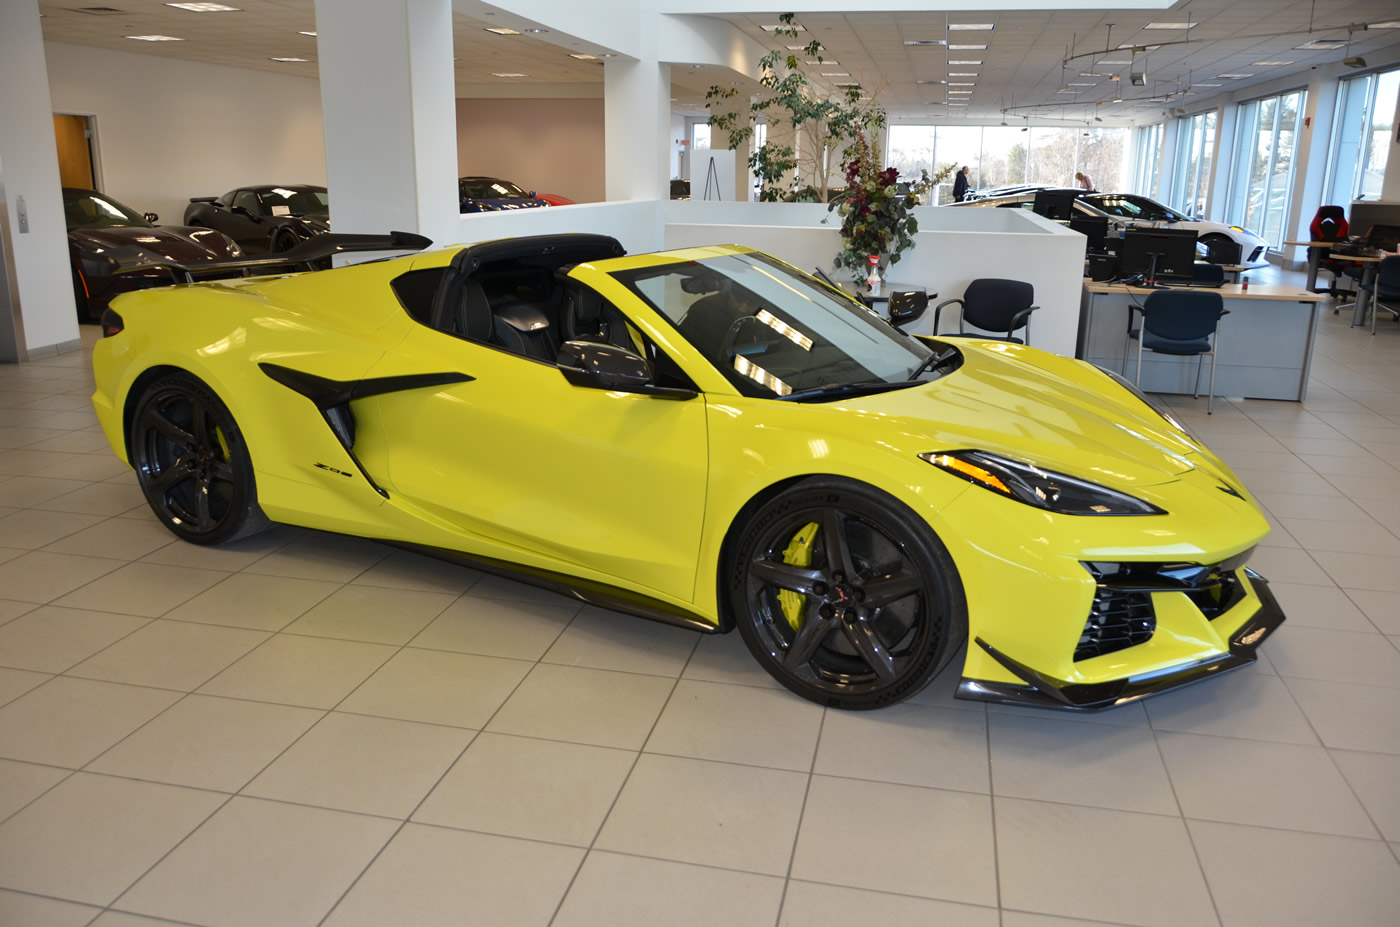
<point>994,305</point>
<point>1385,287</point>
<point>1207,275</point>
<point>1330,224</point>
<point>1183,323</point>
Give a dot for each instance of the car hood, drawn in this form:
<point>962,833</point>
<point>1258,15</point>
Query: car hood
<point>1036,407</point>
<point>173,243</point>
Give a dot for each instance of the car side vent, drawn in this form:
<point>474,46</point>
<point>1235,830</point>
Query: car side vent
<point>1117,620</point>
<point>1214,601</point>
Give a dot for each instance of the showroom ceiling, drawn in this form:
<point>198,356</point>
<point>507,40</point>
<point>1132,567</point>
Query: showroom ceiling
<point>1020,69</point>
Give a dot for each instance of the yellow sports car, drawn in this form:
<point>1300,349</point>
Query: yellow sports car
<point>710,438</point>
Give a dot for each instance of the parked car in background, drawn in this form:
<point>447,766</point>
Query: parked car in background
<point>273,217</point>
<point>102,231</point>
<point>491,194</point>
<point>1128,210</point>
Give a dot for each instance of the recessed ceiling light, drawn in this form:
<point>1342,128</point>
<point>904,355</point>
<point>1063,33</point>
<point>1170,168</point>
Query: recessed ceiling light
<point>1066,91</point>
<point>287,59</point>
<point>924,42</point>
<point>583,57</point>
<point>970,27</point>
<point>1320,45</point>
<point>967,48</point>
<point>966,61</point>
<point>312,34</point>
<point>502,30</point>
<point>1205,85</point>
<point>155,38</point>
<point>835,74</point>
<point>795,47</point>
<point>794,27</point>
<point>536,31</point>
<point>1171,25</point>
<point>963,92</point>
<point>205,7</point>
<point>1391,24</point>
<point>1268,64</point>
<point>1106,61</point>
<point>1075,83</point>
<point>961,83</point>
<point>962,73</point>
<point>1233,76</point>
<point>507,74</point>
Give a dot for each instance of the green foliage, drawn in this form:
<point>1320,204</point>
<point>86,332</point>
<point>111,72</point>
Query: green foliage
<point>789,100</point>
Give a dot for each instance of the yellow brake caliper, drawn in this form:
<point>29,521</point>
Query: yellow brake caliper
<point>798,553</point>
<point>223,444</point>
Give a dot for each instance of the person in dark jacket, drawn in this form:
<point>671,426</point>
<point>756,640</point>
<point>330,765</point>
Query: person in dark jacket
<point>960,185</point>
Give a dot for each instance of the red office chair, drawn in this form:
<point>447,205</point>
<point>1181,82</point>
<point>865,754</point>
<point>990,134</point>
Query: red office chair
<point>1330,224</point>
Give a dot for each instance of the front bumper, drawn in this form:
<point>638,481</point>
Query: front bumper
<point>1041,691</point>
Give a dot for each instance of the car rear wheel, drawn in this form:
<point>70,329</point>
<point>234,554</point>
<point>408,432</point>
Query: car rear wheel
<point>193,464</point>
<point>284,240</point>
<point>844,595</point>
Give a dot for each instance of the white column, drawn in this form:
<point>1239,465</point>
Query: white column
<point>29,169</point>
<point>389,106</point>
<point>636,125</point>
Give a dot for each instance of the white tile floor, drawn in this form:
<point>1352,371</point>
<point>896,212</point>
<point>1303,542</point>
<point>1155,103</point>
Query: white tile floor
<point>303,729</point>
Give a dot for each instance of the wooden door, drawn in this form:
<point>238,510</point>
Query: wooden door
<point>74,151</point>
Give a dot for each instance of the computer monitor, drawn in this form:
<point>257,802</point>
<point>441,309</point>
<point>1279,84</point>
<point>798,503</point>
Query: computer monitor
<point>1055,204</point>
<point>1157,253</point>
<point>1095,228</point>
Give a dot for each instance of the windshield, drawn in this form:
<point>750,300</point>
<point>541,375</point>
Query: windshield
<point>486,188</point>
<point>1133,207</point>
<point>91,211</point>
<point>281,201</point>
<point>775,332</point>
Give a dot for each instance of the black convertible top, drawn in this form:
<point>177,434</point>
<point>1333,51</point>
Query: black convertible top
<point>556,250</point>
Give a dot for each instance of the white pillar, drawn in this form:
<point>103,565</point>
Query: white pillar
<point>636,125</point>
<point>389,106</point>
<point>29,172</point>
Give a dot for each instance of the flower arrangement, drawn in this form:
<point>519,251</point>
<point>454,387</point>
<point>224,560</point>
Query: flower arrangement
<point>876,215</point>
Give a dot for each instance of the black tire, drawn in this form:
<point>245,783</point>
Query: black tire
<point>80,299</point>
<point>284,239</point>
<point>1214,243</point>
<point>885,606</point>
<point>193,464</point>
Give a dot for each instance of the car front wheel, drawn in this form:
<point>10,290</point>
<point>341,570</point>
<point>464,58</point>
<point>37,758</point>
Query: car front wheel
<point>844,595</point>
<point>192,463</point>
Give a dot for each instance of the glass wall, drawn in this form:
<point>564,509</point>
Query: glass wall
<point>1361,137</point>
<point>1195,147</point>
<point>1148,168</point>
<point>1004,155</point>
<point>1261,175</point>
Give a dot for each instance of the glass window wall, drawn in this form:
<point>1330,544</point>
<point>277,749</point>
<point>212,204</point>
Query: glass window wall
<point>1361,134</point>
<point>1195,148</point>
<point>1148,168</point>
<point>1261,177</point>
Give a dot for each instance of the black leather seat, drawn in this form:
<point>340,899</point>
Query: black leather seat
<point>707,322</point>
<point>589,317</point>
<point>524,329</point>
<point>462,309</point>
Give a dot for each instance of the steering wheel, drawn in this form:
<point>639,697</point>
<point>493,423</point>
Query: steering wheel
<point>731,338</point>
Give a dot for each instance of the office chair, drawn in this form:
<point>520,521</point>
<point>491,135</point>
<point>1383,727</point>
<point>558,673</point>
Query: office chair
<point>1183,323</point>
<point>1385,287</point>
<point>1207,274</point>
<point>994,305</point>
<point>1330,224</point>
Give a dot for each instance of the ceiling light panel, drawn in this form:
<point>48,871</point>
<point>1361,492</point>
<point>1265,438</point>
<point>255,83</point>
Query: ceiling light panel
<point>924,42</point>
<point>507,74</point>
<point>288,59</point>
<point>970,27</point>
<point>1171,25</point>
<point>155,38</point>
<point>205,7</point>
<point>793,27</point>
<point>583,57</point>
<point>1270,64</point>
<point>967,48</point>
<point>1320,45</point>
<point>965,61</point>
<point>502,30</point>
<point>312,34</point>
<point>1233,76</point>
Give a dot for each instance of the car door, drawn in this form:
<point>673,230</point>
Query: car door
<point>569,478</point>
<point>242,229</point>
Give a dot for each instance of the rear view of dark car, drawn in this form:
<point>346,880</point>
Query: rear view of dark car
<point>104,234</point>
<point>266,218</point>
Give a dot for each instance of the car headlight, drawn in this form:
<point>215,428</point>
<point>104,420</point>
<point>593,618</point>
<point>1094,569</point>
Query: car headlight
<point>1044,489</point>
<point>1151,403</point>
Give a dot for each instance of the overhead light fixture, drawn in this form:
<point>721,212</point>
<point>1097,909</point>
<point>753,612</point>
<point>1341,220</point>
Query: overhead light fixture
<point>1321,45</point>
<point>970,27</point>
<point>502,30</point>
<point>583,57</point>
<point>1233,76</point>
<point>962,83</point>
<point>507,74</point>
<point>965,61</point>
<point>793,27</point>
<point>825,63</point>
<point>835,74</point>
<point>205,7</point>
<point>288,59</point>
<point>1354,61</point>
<point>1270,64</point>
<point>1115,61</point>
<point>1067,91</point>
<point>925,42</point>
<point>967,48</point>
<point>1076,83</point>
<point>1117,99</point>
<point>959,92</point>
<point>312,34</point>
<point>962,73</point>
<point>1206,85</point>
<point>1171,25</point>
<point>1390,24</point>
<point>155,38</point>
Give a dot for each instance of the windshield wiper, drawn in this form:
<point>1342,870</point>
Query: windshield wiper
<point>843,389</point>
<point>933,362</point>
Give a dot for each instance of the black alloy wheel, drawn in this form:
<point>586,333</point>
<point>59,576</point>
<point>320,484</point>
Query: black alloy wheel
<point>192,463</point>
<point>844,595</point>
<point>284,239</point>
<point>1216,245</point>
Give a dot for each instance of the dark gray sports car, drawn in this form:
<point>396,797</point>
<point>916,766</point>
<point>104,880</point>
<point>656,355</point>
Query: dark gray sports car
<point>265,218</point>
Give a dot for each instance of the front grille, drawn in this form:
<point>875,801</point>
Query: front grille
<point>1254,255</point>
<point>1117,620</point>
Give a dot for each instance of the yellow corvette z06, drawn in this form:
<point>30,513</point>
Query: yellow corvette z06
<point>711,438</point>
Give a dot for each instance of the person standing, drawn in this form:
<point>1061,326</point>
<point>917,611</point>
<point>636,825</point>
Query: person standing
<point>961,185</point>
<point>1084,182</point>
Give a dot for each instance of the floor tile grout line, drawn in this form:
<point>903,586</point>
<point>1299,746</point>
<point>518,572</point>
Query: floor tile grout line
<point>802,813</point>
<point>622,787</point>
<point>992,808</point>
<point>1186,826</point>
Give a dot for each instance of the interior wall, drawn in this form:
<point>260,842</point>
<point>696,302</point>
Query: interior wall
<point>167,130</point>
<point>546,145</point>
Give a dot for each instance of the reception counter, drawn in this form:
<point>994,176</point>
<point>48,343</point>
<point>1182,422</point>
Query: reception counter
<point>1264,345</point>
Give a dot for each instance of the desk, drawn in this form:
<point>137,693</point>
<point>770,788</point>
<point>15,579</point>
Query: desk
<point>1265,346</point>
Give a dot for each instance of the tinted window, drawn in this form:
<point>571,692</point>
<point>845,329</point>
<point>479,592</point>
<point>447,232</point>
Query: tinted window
<point>248,200</point>
<point>83,210</point>
<point>284,202</point>
<point>489,188</point>
<point>416,291</point>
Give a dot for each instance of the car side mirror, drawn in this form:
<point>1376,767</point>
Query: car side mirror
<point>906,306</point>
<point>608,367</point>
<point>150,217</point>
<point>532,194</point>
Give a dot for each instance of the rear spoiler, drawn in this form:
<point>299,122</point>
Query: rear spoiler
<point>204,199</point>
<point>309,255</point>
